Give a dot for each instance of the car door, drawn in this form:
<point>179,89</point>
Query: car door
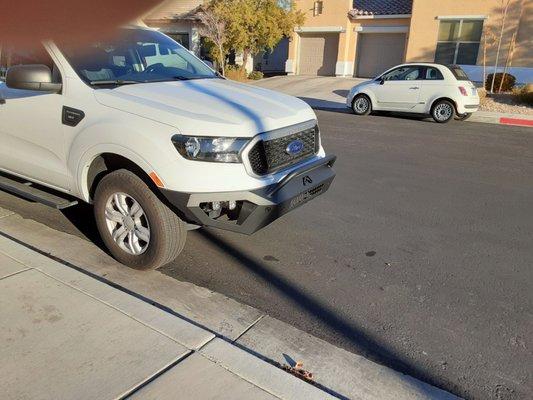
<point>399,89</point>
<point>31,131</point>
<point>432,87</point>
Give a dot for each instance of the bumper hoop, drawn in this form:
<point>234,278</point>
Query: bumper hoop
<point>257,208</point>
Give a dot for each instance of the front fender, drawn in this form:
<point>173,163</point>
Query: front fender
<point>367,92</point>
<point>138,141</point>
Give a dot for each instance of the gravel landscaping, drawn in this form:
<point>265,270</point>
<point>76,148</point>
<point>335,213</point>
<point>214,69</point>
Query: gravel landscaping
<point>504,103</point>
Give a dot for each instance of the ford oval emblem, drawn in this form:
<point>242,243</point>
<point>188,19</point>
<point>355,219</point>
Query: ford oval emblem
<point>295,147</point>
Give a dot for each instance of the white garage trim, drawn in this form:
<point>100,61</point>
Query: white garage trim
<point>289,67</point>
<point>320,29</point>
<point>382,29</point>
<point>344,68</point>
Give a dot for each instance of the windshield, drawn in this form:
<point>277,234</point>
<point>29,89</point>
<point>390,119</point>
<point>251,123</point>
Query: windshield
<point>135,55</point>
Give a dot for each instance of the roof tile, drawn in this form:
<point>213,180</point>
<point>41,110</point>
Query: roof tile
<point>381,7</point>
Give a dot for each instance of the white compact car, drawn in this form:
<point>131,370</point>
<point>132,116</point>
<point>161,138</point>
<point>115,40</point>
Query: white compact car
<point>444,92</point>
<point>156,140</point>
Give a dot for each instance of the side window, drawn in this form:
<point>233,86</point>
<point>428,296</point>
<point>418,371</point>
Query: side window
<point>433,74</point>
<point>394,74</point>
<point>408,73</point>
<point>38,55</point>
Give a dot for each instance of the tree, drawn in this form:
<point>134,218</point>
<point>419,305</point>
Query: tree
<point>489,39</point>
<point>252,26</point>
<point>213,27</point>
<point>504,9</point>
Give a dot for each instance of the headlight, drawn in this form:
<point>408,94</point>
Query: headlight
<point>218,149</point>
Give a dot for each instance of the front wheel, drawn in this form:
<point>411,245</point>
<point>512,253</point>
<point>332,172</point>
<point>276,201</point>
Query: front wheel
<point>463,117</point>
<point>361,105</point>
<point>443,111</point>
<point>136,227</point>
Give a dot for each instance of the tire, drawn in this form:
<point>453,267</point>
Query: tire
<point>463,117</point>
<point>361,105</point>
<point>146,237</point>
<point>443,111</point>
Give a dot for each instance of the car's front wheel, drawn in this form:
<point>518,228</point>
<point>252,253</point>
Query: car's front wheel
<point>443,111</point>
<point>136,227</point>
<point>361,105</point>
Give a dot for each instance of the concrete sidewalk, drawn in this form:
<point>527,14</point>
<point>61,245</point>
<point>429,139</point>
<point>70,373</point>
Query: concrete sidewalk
<point>66,335</point>
<point>79,325</point>
<point>329,93</point>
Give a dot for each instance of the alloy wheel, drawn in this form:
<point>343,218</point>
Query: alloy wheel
<point>127,223</point>
<point>361,104</point>
<point>443,112</point>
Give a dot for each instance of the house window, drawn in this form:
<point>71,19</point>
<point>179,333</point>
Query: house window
<point>458,41</point>
<point>181,38</point>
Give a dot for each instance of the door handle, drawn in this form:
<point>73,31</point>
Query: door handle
<point>414,88</point>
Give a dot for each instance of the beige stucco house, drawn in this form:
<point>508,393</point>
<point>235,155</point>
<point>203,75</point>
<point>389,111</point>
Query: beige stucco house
<point>177,19</point>
<point>365,37</point>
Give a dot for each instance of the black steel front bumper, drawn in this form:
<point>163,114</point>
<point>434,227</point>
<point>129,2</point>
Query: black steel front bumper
<point>262,206</point>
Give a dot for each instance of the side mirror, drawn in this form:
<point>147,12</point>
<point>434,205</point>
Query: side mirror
<point>31,77</point>
<point>381,81</point>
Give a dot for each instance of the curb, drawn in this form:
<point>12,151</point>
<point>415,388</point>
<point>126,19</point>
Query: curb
<point>516,121</point>
<point>337,372</point>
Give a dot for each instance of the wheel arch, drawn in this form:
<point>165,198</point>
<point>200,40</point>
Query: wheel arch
<point>101,163</point>
<point>442,98</point>
<point>369,95</point>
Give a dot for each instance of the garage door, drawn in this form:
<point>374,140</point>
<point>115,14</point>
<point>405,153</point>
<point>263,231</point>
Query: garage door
<point>318,54</point>
<point>378,52</point>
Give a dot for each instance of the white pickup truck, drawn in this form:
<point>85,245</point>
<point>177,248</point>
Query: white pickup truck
<point>156,140</point>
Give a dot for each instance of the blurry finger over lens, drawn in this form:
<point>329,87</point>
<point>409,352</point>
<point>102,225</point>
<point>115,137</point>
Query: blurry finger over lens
<point>24,22</point>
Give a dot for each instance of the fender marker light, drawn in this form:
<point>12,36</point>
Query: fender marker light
<point>158,182</point>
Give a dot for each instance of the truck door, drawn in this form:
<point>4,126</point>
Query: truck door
<point>31,132</point>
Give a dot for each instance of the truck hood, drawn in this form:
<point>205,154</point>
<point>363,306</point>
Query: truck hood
<point>208,107</point>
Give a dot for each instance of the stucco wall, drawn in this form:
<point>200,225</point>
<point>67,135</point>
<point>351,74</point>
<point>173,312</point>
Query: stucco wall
<point>425,27</point>
<point>334,15</point>
<point>375,23</point>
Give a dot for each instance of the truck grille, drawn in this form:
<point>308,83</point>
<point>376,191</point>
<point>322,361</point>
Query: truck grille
<point>268,156</point>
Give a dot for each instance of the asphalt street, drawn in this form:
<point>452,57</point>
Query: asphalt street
<point>419,257</point>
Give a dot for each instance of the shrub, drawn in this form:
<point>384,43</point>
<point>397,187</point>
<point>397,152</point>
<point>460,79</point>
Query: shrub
<point>236,73</point>
<point>508,83</point>
<point>524,95</point>
<point>255,75</point>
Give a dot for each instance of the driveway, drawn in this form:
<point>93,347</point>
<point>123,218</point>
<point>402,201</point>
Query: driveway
<point>319,92</point>
<point>418,257</point>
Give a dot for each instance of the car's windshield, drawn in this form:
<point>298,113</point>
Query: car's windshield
<point>135,55</point>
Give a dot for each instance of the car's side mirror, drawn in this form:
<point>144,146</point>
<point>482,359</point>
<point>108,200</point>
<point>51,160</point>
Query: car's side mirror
<point>382,81</point>
<point>31,77</point>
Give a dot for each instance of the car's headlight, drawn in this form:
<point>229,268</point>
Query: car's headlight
<point>217,149</point>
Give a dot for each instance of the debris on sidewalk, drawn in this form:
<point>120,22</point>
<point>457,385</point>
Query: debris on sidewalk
<point>299,372</point>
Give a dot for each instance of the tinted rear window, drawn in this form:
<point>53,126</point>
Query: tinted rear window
<point>459,74</point>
